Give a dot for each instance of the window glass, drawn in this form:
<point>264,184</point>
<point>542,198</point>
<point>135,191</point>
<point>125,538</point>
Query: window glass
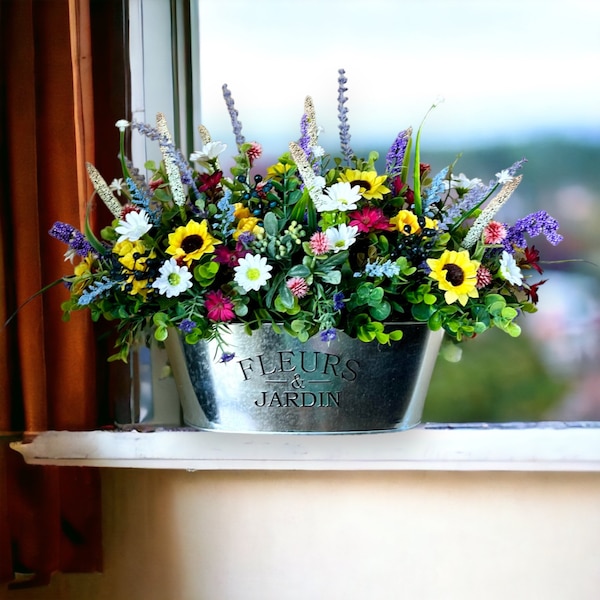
<point>519,78</point>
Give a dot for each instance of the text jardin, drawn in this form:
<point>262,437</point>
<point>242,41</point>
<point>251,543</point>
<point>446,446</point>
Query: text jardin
<point>296,370</point>
<point>298,399</point>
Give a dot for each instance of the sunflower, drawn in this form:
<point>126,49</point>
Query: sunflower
<point>456,275</point>
<point>191,242</point>
<point>371,184</point>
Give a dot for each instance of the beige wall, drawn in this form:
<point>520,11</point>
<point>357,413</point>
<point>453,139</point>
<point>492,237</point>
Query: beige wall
<point>174,535</point>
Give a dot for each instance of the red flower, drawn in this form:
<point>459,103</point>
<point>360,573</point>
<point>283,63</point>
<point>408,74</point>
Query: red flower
<point>532,291</point>
<point>369,219</point>
<point>209,181</point>
<point>532,257</point>
<point>155,183</point>
<point>218,306</point>
<point>228,257</point>
<point>128,208</point>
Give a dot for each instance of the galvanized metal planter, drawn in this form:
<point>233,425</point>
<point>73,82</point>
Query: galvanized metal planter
<point>277,384</point>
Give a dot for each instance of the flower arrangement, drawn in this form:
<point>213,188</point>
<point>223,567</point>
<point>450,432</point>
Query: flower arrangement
<point>315,245</point>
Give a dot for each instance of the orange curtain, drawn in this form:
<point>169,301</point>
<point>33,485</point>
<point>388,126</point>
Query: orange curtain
<point>49,516</point>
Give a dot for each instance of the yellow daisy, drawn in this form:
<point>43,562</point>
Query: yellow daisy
<point>241,211</point>
<point>83,272</point>
<point>407,222</point>
<point>371,184</point>
<point>277,170</point>
<point>191,242</point>
<point>133,256</point>
<point>456,275</point>
<point>249,224</point>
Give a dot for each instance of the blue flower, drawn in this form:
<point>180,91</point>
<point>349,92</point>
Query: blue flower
<point>227,356</point>
<point>338,301</point>
<point>328,335</point>
<point>187,326</point>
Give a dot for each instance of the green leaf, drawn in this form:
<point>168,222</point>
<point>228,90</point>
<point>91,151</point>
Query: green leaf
<point>376,296</point>
<point>285,296</point>
<point>435,321</point>
<point>160,319</point>
<point>299,271</point>
<point>303,336</point>
<point>335,260</point>
<point>396,335</point>
<point>333,277</point>
<point>509,313</point>
<point>421,312</point>
<point>493,298</point>
<point>161,333</point>
<point>381,312</point>
<point>429,299</point>
<point>382,338</point>
<point>271,224</point>
<point>297,325</point>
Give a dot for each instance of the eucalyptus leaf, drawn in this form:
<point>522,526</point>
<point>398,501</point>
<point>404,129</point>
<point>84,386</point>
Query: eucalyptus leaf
<point>299,271</point>
<point>333,277</point>
<point>271,224</point>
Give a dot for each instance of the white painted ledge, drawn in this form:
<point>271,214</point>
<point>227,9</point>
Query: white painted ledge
<point>442,447</point>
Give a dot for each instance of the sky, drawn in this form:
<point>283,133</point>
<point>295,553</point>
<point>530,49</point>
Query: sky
<point>507,70</point>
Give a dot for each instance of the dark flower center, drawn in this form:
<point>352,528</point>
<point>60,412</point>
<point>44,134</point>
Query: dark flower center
<point>454,274</point>
<point>362,183</point>
<point>191,243</point>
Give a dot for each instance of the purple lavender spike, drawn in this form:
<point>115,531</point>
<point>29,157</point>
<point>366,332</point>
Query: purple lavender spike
<point>344,127</point>
<point>233,114</point>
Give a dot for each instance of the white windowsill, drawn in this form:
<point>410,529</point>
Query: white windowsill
<point>550,446</point>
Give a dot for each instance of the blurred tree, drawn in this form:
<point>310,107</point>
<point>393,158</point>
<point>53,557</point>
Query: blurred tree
<point>499,378</point>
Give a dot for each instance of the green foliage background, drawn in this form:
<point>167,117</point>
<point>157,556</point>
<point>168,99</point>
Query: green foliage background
<point>498,379</point>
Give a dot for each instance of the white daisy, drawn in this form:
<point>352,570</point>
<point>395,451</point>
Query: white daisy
<point>70,255</point>
<point>341,237</point>
<point>509,269</point>
<point>134,226</point>
<point>173,279</point>
<point>504,176</point>
<point>340,196</point>
<point>207,154</point>
<point>116,185</point>
<point>461,181</point>
<point>252,272</point>
<point>122,124</point>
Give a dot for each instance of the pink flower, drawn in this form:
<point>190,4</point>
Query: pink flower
<point>319,243</point>
<point>254,152</point>
<point>494,233</point>
<point>218,306</point>
<point>484,277</point>
<point>298,286</point>
<point>369,219</point>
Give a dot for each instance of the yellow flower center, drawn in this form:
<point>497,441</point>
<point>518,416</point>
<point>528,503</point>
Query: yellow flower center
<point>174,278</point>
<point>253,274</point>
